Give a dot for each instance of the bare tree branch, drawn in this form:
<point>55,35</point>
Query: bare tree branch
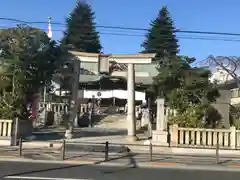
<point>229,64</point>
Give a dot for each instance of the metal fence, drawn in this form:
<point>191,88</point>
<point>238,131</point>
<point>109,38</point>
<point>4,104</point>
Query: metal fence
<point>103,152</point>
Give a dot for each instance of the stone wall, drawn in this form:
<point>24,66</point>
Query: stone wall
<point>223,105</point>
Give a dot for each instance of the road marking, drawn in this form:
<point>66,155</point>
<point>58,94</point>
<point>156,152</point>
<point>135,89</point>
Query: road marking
<point>40,178</point>
<point>235,166</point>
<point>80,162</point>
<point>164,163</point>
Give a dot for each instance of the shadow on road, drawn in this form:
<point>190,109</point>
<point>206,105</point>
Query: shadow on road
<point>43,170</point>
<point>132,160</point>
<point>128,155</point>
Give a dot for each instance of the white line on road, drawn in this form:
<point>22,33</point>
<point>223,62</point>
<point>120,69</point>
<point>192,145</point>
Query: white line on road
<point>40,178</point>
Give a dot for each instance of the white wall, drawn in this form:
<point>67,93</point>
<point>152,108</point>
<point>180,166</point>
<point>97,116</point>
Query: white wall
<point>120,94</point>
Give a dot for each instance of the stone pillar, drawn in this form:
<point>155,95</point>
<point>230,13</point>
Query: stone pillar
<point>131,119</point>
<point>233,137</point>
<point>160,115</point>
<point>149,118</point>
<point>73,120</point>
<point>160,135</point>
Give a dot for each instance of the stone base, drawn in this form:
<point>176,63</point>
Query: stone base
<point>132,138</point>
<point>147,142</point>
<point>160,138</point>
<point>68,134</point>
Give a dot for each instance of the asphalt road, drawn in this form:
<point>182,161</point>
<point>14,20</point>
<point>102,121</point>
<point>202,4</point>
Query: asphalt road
<point>37,171</point>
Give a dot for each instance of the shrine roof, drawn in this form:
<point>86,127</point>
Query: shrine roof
<point>95,78</point>
<point>88,78</point>
<point>150,68</point>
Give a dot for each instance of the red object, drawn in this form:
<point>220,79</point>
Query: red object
<point>34,108</point>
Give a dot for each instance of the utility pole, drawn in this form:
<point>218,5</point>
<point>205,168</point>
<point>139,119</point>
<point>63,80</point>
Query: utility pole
<point>50,37</point>
<point>75,89</point>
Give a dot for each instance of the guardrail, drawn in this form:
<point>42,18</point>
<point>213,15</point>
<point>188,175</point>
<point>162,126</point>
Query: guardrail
<point>106,151</point>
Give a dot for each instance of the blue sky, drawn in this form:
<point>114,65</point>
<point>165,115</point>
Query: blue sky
<point>220,16</point>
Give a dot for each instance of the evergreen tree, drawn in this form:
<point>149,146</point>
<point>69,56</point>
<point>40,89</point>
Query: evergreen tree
<point>161,38</point>
<point>182,86</point>
<point>81,34</point>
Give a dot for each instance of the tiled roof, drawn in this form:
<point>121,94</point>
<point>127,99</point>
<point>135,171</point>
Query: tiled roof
<point>91,78</point>
<point>149,68</point>
<point>88,78</point>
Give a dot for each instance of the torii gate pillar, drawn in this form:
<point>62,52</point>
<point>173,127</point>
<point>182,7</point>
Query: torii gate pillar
<point>131,119</point>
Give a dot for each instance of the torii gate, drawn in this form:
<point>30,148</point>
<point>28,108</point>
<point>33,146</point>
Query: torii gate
<point>129,59</point>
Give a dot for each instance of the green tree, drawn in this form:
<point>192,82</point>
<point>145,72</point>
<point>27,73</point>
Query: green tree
<point>161,38</point>
<point>182,86</point>
<point>170,75</point>
<point>176,77</point>
<point>30,59</point>
<point>81,34</point>
<point>193,88</point>
<point>189,91</point>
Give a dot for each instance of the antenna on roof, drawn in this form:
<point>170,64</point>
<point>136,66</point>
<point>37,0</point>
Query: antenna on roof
<point>50,27</point>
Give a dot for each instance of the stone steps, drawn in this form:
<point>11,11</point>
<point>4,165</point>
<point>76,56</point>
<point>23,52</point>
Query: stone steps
<point>118,122</point>
<point>113,121</point>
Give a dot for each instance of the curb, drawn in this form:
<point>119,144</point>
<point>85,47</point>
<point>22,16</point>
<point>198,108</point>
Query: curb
<point>19,159</point>
<point>9,156</point>
<point>235,166</point>
<point>164,163</point>
<point>171,164</point>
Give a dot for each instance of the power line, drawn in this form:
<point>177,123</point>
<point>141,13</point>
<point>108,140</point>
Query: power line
<point>180,37</point>
<point>126,28</point>
<point>207,38</point>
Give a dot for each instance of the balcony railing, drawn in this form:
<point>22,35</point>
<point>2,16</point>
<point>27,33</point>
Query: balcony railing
<point>235,93</point>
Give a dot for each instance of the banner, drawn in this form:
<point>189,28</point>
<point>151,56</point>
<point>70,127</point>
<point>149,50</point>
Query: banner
<point>106,94</point>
